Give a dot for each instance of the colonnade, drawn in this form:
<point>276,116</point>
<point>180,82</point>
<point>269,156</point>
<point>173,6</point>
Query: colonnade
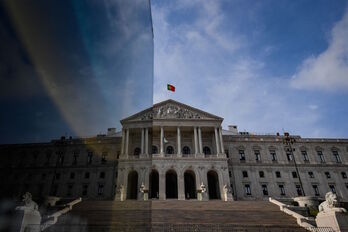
<point>198,144</point>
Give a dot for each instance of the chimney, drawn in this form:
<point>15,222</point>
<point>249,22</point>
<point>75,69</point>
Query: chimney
<point>233,128</point>
<point>111,131</point>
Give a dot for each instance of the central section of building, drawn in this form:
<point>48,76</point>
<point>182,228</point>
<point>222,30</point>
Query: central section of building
<point>172,151</point>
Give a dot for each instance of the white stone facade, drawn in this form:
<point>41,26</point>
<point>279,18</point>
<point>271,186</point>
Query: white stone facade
<point>172,149</point>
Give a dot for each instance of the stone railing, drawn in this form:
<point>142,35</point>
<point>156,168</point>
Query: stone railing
<point>305,222</point>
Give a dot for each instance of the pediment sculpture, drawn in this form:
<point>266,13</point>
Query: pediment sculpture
<point>170,111</point>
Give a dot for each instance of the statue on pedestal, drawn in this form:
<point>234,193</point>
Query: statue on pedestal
<point>31,218</point>
<point>144,191</point>
<point>331,204</point>
<point>331,214</point>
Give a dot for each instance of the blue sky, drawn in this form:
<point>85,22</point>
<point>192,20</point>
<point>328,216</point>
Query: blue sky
<point>72,67</point>
<point>266,66</point>
<point>78,67</point>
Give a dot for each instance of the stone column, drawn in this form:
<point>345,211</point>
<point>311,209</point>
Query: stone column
<point>161,142</point>
<point>181,188</point>
<point>127,143</point>
<point>196,140</point>
<point>217,141</point>
<point>142,140</point>
<point>162,186</point>
<point>178,147</point>
<point>146,141</point>
<point>122,143</point>
<point>200,140</point>
<point>221,141</point>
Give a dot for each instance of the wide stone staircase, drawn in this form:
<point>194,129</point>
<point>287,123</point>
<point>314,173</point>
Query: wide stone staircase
<point>174,215</point>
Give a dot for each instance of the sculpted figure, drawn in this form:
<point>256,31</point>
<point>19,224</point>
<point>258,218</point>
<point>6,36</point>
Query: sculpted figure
<point>142,188</point>
<point>31,218</point>
<point>331,204</point>
<point>203,188</point>
<point>226,189</point>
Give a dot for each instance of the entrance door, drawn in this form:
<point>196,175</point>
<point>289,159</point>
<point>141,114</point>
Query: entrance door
<point>213,185</point>
<point>132,186</point>
<point>171,185</point>
<point>190,185</point>
<point>154,185</point>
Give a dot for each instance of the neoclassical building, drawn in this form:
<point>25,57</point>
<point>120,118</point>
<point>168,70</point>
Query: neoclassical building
<point>175,151</point>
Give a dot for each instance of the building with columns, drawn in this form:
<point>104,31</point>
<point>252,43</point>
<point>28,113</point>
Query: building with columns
<point>186,153</point>
<point>175,151</point>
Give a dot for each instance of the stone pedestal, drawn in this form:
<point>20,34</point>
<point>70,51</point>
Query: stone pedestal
<point>307,201</point>
<point>146,195</point>
<point>336,220</point>
<point>199,196</point>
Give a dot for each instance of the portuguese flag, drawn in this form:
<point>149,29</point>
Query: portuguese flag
<point>171,87</point>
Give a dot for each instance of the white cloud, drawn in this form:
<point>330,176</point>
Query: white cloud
<point>211,71</point>
<point>328,70</point>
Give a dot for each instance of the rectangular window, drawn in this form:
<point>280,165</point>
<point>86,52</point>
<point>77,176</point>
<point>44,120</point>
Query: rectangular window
<point>264,190</point>
<point>310,174</point>
<point>327,174</point>
<point>247,189</point>
<point>75,156</point>
<point>344,175</point>
<point>321,156</point>
<point>305,156</point>
<point>278,174</point>
<point>89,157</point>
<point>72,175</point>
<point>257,155</point>
<point>87,175</point>
<point>84,190</point>
<point>289,156</point>
<point>245,174</point>
<point>230,173</point>
<point>118,154</point>
<point>294,174</point>
<point>261,174</point>
<point>316,189</point>
<point>227,153</point>
<point>57,176</point>
<point>298,190</point>
<point>100,189</point>
<point>102,175</point>
<point>60,157</point>
<point>332,188</point>
<point>242,155</point>
<point>104,155</point>
<point>69,191</point>
<point>273,155</point>
<point>282,190</point>
<point>337,156</point>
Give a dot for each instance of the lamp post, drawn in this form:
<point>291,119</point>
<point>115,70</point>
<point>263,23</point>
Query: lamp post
<point>288,141</point>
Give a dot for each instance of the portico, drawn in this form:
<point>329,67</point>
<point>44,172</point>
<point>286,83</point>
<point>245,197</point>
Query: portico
<point>174,149</point>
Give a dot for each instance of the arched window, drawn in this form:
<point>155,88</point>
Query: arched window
<point>137,151</point>
<point>170,150</point>
<point>206,151</point>
<point>186,150</point>
<point>154,150</point>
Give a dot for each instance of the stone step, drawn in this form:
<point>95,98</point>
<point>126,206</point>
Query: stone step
<point>164,215</point>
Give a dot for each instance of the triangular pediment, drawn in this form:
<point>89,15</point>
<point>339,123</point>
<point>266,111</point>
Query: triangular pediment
<point>171,109</point>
